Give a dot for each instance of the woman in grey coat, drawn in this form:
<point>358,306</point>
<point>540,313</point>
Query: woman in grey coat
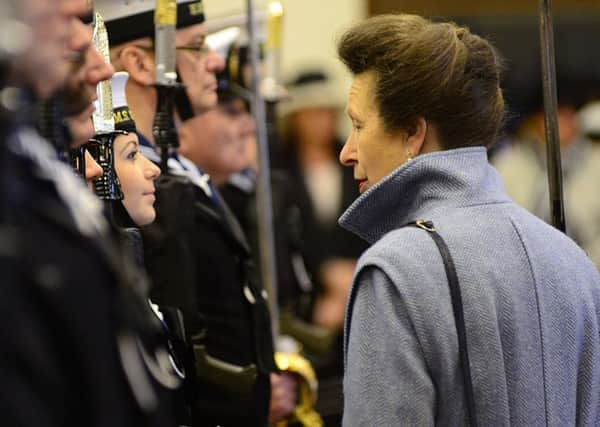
<point>425,103</point>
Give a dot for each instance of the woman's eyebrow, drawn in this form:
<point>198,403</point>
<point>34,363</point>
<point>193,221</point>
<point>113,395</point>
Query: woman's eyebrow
<point>130,142</point>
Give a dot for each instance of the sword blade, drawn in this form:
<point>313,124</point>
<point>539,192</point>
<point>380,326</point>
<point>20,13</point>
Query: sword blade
<point>263,184</point>
<point>550,117</point>
<point>103,116</point>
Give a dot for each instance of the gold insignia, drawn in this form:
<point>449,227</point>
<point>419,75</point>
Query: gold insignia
<point>122,116</point>
<point>196,8</point>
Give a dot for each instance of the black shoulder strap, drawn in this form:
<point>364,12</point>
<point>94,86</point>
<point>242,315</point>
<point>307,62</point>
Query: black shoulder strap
<point>459,316</point>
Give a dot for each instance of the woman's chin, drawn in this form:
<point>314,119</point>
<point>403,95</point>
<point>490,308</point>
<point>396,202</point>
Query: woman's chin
<point>147,218</point>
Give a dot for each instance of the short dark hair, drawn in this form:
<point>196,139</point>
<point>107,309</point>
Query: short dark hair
<point>439,71</point>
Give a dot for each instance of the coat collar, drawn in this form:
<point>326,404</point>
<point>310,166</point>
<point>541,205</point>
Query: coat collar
<point>422,186</point>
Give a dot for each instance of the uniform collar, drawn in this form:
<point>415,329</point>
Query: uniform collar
<point>179,165</point>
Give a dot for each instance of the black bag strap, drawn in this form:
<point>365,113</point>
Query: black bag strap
<point>459,315</point>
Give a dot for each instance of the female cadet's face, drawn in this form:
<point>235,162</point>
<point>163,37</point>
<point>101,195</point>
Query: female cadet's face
<point>370,149</point>
<point>136,174</point>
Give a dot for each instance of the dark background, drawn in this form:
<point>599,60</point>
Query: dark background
<point>513,27</point>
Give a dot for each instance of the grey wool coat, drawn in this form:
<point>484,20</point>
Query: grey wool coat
<point>531,300</point>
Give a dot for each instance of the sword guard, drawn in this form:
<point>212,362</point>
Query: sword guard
<point>304,413</point>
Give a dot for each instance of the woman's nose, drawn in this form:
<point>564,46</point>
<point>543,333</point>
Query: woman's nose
<point>152,171</point>
<point>347,155</point>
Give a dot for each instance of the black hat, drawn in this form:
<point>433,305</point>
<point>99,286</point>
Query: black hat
<point>128,20</point>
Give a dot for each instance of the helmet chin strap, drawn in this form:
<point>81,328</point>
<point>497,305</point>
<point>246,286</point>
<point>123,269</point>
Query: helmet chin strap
<point>182,101</point>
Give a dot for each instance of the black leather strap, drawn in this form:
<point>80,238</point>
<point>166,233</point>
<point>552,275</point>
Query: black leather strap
<point>459,316</point>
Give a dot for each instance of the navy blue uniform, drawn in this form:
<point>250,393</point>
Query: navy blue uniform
<point>70,321</point>
<point>199,261</point>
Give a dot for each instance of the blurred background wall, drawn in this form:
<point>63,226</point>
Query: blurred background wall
<point>311,27</point>
<point>477,7</point>
<point>309,31</point>
<point>513,26</point>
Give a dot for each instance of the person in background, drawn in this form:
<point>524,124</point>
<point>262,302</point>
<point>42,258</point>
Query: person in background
<point>323,191</point>
<point>589,117</point>
<point>222,142</point>
<point>425,103</point>
<point>320,189</point>
<point>522,165</point>
<point>218,141</point>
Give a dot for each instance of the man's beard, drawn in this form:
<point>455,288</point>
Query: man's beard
<point>76,99</point>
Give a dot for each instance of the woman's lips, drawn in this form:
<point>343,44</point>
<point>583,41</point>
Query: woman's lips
<point>362,185</point>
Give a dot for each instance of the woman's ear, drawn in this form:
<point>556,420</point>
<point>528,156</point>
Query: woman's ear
<point>416,136</point>
<point>139,64</point>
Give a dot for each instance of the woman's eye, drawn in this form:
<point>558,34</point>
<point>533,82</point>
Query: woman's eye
<point>132,155</point>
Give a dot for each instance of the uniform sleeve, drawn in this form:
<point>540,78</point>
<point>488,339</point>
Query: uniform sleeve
<point>387,381</point>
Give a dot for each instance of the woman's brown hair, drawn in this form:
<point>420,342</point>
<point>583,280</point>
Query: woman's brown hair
<point>439,71</point>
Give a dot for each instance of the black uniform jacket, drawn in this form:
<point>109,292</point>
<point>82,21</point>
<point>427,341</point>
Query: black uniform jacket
<point>62,313</point>
<point>241,198</point>
<point>199,261</point>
